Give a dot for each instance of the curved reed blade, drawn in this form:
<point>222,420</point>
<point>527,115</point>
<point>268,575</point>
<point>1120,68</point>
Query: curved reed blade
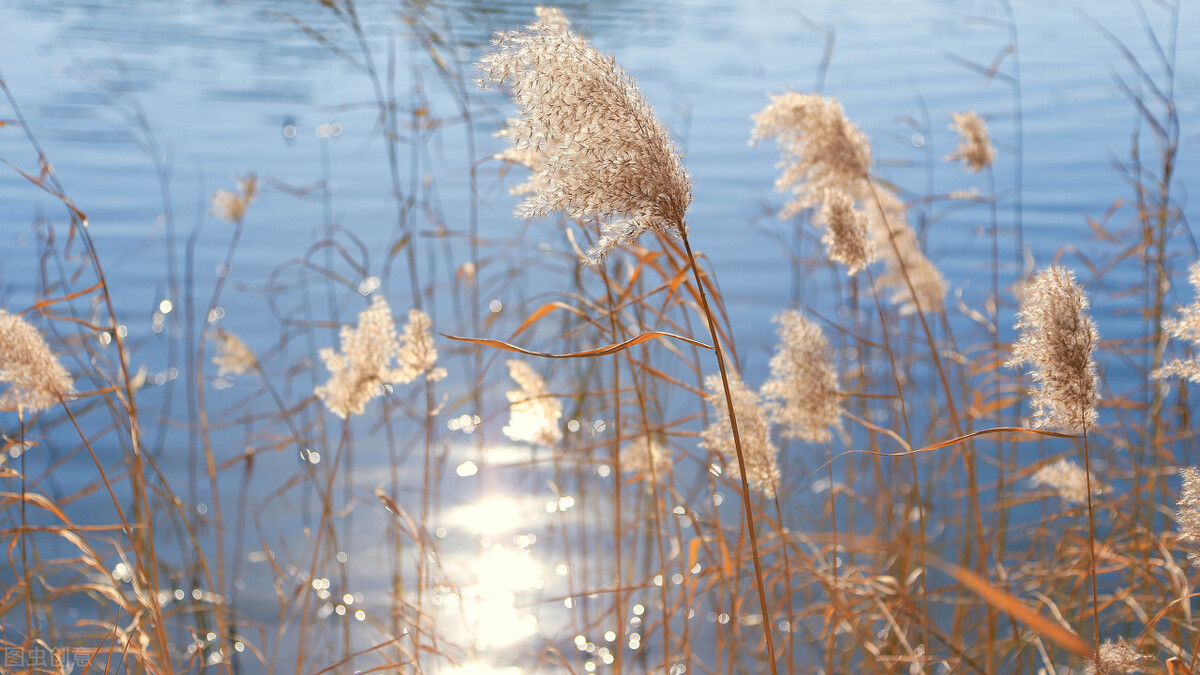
<point>1002,600</point>
<point>587,353</point>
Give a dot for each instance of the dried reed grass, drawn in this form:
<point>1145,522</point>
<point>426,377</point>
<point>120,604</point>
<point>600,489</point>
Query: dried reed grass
<point>889,570</point>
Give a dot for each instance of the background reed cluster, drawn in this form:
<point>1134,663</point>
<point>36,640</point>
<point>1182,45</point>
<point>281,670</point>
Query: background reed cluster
<point>941,474</point>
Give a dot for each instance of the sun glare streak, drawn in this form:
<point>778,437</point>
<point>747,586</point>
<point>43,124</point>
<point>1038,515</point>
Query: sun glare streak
<point>489,605</point>
<point>491,515</point>
<point>477,668</point>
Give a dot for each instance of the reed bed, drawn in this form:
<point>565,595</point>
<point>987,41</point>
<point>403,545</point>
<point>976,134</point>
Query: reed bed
<point>404,481</point>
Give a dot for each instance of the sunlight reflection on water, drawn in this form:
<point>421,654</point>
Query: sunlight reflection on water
<point>491,515</point>
<point>477,668</point>
<point>489,605</point>
<point>488,601</point>
<point>497,577</point>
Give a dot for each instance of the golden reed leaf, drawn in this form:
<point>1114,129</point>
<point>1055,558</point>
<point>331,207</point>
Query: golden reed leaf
<point>541,312</point>
<point>587,353</point>
<point>1002,600</point>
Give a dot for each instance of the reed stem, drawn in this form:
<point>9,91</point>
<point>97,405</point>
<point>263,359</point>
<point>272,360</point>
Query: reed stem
<point>737,444</point>
<point>1087,472</point>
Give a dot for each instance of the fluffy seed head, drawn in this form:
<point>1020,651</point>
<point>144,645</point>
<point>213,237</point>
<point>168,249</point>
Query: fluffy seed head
<point>845,236</point>
<point>1185,328</point>
<point>533,413</point>
<point>974,146</point>
<point>231,206</point>
<point>233,357</point>
<point>762,471</point>
<point>36,380</point>
<point>1068,479</point>
<point>359,372</point>
<point>552,18</point>
<point>597,149</point>
<point>803,388</point>
<point>898,246</point>
<point>647,460</point>
<point>417,355</point>
<point>1057,341</point>
<point>825,153</point>
<point>821,149</point>
<point>1188,515</point>
<point>1118,658</point>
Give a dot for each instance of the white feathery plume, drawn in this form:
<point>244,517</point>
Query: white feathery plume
<point>36,380</point>
<point>803,387</point>
<point>821,148</point>
<point>1068,479</point>
<point>597,149</point>
<point>758,452</point>
<point>1186,328</point>
<point>1118,658</point>
<point>233,357</point>
<point>374,355</point>
<point>974,145</point>
<point>1057,340</point>
<point>1188,515</point>
<point>231,206</point>
<point>823,153</point>
<point>646,459</point>
<point>845,235</point>
<point>417,354</point>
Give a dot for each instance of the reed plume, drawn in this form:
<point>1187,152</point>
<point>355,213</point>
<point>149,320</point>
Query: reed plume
<point>1188,515</point>
<point>758,452</point>
<point>974,145</point>
<point>359,372</point>
<point>1118,658</point>
<point>36,380</point>
<point>647,460</point>
<point>231,206</point>
<point>533,411</point>
<point>1068,480</point>
<point>233,357</point>
<point>552,18</point>
<point>821,148</point>
<point>1057,340</point>
<point>823,155</point>
<point>597,149</point>
<point>845,235</point>
<point>902,255</point>
<point>803,388</point>
<point>417,354</point>
<point>1186,328</point>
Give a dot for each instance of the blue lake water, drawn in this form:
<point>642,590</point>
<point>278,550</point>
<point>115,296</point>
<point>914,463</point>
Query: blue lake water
<point>217,89</point>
